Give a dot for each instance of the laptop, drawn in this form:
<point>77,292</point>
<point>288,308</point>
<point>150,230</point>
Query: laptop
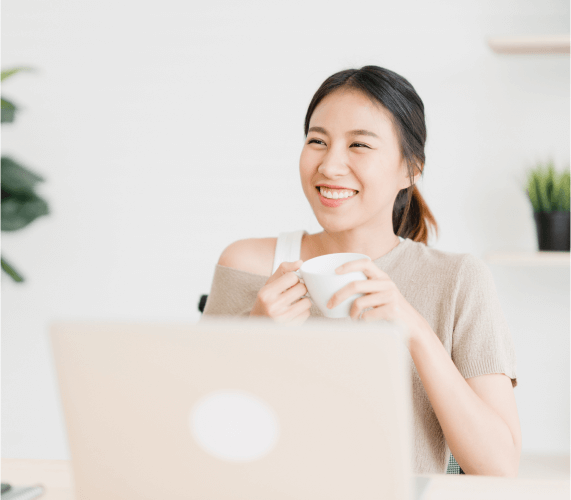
<point>237,409</point>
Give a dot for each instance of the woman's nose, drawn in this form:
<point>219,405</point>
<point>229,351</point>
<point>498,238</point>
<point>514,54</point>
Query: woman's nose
<point>333,165</point>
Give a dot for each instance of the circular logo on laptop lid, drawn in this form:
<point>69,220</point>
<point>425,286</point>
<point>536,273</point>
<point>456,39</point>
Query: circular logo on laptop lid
<point>234,425</point>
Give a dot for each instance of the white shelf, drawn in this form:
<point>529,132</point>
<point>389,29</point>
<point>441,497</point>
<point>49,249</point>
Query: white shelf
<point>528,258</point>
<point>551,44</point>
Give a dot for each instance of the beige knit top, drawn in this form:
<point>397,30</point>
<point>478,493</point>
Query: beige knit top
<point>456,295</point>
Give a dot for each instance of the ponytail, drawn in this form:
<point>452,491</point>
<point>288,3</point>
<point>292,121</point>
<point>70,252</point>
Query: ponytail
<point>411,216</point>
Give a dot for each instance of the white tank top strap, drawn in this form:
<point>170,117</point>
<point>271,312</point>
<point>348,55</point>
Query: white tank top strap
<point>288,248</point>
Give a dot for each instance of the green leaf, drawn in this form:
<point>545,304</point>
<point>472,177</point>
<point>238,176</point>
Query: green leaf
<point>531,191</point>
<point>563,195</point>
<point>549,185</point>
<point>19,211</point>
<point>17,179</point>
<point>536,190</point>
<point>539,181</point>
<point>9,72</point>
<point>8,269</point>
<point>544,191</point>
<point>8,111</point>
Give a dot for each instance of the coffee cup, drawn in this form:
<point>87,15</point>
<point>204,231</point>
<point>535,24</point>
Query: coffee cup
<point>322,282</point>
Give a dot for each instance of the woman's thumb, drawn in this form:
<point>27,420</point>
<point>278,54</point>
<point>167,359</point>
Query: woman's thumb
<point>290,266</point>
<point>286,267</point>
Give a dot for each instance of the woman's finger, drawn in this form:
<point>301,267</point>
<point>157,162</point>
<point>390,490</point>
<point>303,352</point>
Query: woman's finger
<point>358,286</point>
<point>283,269</point>
<point>291,295</point>
<point>283,283</point>
<point>295,310</point>
<point>366,266</point>
<point>300,306</point>
<point>301,318</point>
<point>371,300</point>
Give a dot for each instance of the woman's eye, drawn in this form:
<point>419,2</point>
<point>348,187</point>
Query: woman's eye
<point>355,143</point>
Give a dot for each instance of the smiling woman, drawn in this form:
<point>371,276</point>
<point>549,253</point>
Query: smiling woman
<point>362,156</point>
<point>388,154</point>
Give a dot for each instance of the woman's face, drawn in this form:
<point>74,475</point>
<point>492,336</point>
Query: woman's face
<point>351,147</point>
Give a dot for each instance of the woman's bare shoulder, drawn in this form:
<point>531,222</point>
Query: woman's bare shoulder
<point>253,255</point>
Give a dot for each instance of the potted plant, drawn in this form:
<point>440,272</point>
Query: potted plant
<point>20,204</point>
<point>548,191</point>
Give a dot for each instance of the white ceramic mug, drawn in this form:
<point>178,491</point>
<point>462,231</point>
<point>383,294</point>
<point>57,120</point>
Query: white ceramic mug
<point>322,282</point>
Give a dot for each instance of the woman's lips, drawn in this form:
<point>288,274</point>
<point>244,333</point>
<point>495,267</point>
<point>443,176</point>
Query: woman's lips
<point>328,202</point>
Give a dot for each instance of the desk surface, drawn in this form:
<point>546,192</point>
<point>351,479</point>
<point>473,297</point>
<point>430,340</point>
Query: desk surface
<point>56,477</point>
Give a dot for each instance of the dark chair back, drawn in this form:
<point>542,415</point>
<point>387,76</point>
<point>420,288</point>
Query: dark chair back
<point>202,302</point>
<point>453,467</point>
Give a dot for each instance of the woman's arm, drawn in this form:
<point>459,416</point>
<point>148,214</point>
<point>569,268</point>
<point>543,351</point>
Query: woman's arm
<point>478,415</point>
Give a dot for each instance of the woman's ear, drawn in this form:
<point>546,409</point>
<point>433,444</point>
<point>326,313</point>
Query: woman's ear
<point>417,176</point>
<point>406,180</point>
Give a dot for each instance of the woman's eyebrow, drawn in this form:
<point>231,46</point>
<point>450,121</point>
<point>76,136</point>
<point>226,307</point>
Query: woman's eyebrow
<point>351,132</point>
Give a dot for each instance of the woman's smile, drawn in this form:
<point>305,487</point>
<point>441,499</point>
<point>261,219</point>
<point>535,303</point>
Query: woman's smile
<point>334,197</point>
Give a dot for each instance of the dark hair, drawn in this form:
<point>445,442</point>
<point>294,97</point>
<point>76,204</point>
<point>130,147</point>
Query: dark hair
<point>411,216</point>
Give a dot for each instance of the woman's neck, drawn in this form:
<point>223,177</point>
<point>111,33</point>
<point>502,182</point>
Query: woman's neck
<point>323,243</point>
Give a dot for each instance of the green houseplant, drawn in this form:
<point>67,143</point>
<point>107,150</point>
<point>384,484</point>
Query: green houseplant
<point>548,192</point>
<point>20,204</point>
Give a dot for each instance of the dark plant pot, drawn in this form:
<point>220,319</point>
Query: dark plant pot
<point>552,230</point>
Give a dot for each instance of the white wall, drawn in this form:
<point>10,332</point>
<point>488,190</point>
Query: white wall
<point>165,130</point>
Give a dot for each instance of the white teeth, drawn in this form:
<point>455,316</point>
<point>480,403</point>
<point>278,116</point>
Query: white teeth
<point>335,195</point>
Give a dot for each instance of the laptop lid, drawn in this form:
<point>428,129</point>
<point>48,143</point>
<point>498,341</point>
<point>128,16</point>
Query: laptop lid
<point>235,409</point>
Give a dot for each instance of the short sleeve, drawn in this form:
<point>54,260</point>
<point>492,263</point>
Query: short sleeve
<point>233,292</point>
<point>481,339</point>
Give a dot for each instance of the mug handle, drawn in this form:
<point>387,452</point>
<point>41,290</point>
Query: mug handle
<point>298,274</point>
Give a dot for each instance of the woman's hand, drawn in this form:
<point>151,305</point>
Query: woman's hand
<point>381,295</point>
<point>279,298</point>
